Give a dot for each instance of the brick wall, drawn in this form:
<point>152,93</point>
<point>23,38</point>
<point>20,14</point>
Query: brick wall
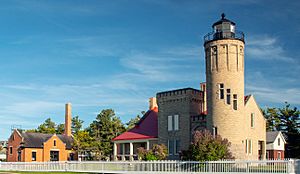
<point>13,143</point>
<point>60,146</point>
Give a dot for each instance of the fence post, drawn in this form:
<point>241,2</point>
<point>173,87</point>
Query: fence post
<point>247,167</point>
<point>291,166</point>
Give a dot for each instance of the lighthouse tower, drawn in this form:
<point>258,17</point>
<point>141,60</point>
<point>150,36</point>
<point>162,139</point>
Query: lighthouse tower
<point>224,56</point>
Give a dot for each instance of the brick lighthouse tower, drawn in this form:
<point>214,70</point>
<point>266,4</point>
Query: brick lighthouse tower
<point>224,55</point>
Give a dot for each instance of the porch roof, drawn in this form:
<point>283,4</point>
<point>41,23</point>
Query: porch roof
<point>146,128</point>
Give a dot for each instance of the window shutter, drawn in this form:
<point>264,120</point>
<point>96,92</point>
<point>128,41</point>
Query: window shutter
<point>170,123</point>
<point>176,122</point>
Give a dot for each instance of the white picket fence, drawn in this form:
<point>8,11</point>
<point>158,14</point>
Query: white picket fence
<point>268,166</point>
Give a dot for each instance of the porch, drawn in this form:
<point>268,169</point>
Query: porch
<point>127,150</point>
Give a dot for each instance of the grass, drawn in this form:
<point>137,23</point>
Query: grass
<point>15,172</point>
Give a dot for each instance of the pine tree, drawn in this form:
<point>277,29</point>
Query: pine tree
<point>106,127</point>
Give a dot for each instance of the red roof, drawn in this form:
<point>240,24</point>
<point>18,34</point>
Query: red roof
<point>146,128</point>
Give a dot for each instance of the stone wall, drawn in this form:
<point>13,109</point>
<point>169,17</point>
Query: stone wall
<point>184,103</point>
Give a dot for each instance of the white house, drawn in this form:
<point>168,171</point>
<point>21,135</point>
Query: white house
<point>275,145</point>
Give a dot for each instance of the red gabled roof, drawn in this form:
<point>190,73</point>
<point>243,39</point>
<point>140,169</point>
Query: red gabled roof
<point>146,128</point>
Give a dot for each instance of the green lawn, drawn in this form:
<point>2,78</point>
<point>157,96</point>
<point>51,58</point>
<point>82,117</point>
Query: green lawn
<point>14,172</point>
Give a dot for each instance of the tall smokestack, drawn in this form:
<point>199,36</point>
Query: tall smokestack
<point>68,115</point>
<point>152,103</point>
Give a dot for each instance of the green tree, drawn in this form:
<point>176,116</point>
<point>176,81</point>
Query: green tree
<point>76,124</point>
<point>132,122</point>
<point>48,127</point>
<point>106,127</point>
<point>206,147</point>
<point>287,120</point>
<point>32,130</point>
<point>273,119</point>
<point>83,141</point>
<point>60,129</point>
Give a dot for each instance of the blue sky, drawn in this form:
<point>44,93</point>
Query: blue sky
<point>117,54</point>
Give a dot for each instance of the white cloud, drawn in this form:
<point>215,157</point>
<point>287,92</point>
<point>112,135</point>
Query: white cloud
<point>272,90</point>
<point>275,95</point>
<point>173,64</point>
<point>265,47</point>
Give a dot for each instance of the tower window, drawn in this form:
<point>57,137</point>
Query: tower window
<point>221,91</point>
<point>278,141</point>
<point>54,143</point>
<point>228,101</point>
<point>235,101</point>
<point>252,120</point>
<point>241,49</point>
<point>215,57</point>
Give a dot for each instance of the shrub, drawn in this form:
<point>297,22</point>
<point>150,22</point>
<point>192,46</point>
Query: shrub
<point>206,147</point>
<point>158,152</point>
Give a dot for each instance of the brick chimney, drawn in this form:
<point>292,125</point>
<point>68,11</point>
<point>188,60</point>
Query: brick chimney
<point>152,103</point>
<point>68,115</point>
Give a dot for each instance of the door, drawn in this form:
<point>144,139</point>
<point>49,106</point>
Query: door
<point>54,155</point>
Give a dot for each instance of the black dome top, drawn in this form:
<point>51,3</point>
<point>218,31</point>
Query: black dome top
<point>223,19</point>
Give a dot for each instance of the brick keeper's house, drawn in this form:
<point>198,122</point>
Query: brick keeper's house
<point>38,147</point>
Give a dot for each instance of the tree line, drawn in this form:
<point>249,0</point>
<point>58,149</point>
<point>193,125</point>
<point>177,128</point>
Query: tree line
<point>96,138</point>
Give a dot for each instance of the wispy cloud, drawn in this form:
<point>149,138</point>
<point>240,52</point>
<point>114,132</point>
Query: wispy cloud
<point>265,47</point>
<point>275,95</point>
<point>164,64</point>
<point>271,90</point>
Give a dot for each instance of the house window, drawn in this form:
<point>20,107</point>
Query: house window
<point>54,155</point>
<point>278,155</point>
<point>10,150</point>
<point>170,123</point>
<point>278,141</point>
<point>177,146</point>
<point>54,143</point>
<point>176,122</point>
<point>221,91</point>
<point>267,155</point>
<point>33,156</point>
<point>19,155</point>
<point>170,147</point>
<point>235,101</point>
<point>228,96</point>
<point>173,122</point>
<point>249,146</point>
<point>71,157</point>
<point>246,146</point>
<point>252,120</point>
